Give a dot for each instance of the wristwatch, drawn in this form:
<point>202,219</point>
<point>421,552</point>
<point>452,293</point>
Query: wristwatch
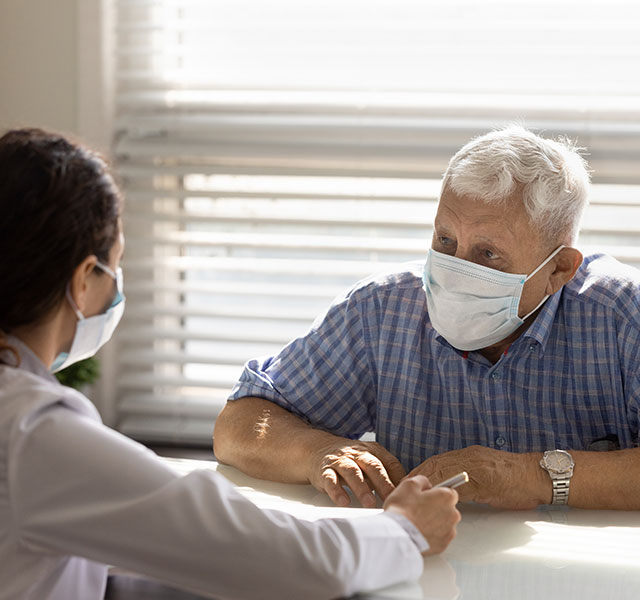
<point>559,464</point>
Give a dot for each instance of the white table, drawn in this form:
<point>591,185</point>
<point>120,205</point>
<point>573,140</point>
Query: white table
<point>544,554</point>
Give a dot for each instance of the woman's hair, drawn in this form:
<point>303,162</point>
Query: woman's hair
<point>58,205</point>
<point>552,174</point>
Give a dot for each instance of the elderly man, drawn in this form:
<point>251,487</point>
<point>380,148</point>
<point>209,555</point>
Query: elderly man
<point>506,355</point>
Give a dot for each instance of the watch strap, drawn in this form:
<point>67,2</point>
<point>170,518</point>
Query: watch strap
<point>560,491</point>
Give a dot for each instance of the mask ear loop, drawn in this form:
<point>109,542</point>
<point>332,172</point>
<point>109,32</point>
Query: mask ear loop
<point>73,304</point>
<point>117,277</point>
<point>545,262</point>
<point>107,270</point>
<point>534,272</point>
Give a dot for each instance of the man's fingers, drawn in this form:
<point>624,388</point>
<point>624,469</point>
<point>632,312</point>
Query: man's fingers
<point>363,467</point>
<point>376,474</point>
<point>392,465</point>
<point>333,487</point>
<point>352,474</point>
<point>395,470</point>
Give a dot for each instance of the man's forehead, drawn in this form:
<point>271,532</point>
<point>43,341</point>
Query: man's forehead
<point>489,222</point>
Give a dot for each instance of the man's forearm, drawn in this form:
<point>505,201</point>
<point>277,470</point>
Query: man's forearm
<point>606,480</point>
<point>266,441</point>
<point>601,480</point>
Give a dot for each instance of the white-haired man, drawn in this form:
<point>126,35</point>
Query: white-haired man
<point>506,355</point>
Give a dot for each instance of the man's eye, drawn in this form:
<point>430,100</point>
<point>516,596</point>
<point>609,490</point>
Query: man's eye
<point>445,241</point>
<point>490,255</point>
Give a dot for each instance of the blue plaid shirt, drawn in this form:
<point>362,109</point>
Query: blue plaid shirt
<point>373,362</point>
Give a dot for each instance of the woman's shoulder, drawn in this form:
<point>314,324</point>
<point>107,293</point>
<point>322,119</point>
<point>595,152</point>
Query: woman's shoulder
<point>25,395</point>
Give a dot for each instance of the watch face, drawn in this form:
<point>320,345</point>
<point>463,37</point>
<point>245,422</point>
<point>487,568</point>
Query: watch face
<point>559,462</point>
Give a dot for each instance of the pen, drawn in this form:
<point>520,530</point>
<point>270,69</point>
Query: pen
<point>455,481</point>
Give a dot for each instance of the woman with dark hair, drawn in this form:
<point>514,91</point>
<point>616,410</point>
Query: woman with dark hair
<point>74,494</point>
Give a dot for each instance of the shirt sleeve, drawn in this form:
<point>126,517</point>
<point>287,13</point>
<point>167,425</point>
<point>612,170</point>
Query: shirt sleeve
<point>79,488</point>
<point>323,377</point>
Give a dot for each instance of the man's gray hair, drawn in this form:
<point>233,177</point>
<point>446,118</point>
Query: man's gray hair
<point>552,174</point>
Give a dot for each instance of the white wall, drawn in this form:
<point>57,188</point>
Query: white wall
<point>56,67</point>
<point>39,64</point>
<point>55,73</point>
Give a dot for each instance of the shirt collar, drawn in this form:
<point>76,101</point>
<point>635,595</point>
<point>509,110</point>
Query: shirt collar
<point>540,329</point>
<point>28,359</point>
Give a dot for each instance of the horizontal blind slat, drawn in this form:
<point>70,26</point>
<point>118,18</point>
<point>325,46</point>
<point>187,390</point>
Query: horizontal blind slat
<point>146,381</point>
<point>173,430</point>
<point>173,406</point>
<point>223,356</point>
<point>232,311</point>
<point>133,335</point>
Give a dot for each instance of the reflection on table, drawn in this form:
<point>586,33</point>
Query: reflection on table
<point>548,553</point>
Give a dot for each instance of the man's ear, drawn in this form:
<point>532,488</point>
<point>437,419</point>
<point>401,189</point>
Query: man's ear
<point>566,263</point>
<point>79,284</point>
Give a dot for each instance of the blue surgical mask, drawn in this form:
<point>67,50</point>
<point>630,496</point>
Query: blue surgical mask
<point>472,306</point>
<point>92,332</point>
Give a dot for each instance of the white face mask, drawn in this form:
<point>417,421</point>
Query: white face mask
<point>472,306</point>
<point>92,332</point>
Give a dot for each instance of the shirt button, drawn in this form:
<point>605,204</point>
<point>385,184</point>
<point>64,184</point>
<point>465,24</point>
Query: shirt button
<point>495,375</point>
<point>532,348</point>
<point>500,441</point>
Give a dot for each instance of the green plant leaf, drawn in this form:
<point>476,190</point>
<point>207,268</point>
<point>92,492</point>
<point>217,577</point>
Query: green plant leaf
<point>79,374</point>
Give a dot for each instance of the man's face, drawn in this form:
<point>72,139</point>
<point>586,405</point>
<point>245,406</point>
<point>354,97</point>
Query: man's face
<point>496,236</point>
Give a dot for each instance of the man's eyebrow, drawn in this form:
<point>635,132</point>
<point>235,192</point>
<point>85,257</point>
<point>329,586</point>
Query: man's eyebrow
<point>491,242</point>
<point>438,225</point>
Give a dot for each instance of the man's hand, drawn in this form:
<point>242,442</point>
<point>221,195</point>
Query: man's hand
<point>432,511</point>
<point>362,466</point>
<point>501,479</point>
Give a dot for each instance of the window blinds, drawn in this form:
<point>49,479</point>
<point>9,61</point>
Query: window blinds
<point>273,153</point>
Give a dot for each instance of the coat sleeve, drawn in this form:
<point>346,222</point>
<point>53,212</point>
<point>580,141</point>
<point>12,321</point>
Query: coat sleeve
<point>79,488</point>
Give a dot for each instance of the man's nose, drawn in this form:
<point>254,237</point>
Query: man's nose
<point>463,251</point>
